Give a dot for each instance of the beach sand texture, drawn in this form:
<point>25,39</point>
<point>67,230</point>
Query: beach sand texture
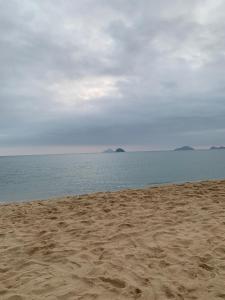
<point>162,243</point>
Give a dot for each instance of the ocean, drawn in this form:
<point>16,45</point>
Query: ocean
<point>45,176</point>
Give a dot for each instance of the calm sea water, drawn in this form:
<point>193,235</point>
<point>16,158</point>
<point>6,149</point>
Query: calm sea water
<point>38,177</point>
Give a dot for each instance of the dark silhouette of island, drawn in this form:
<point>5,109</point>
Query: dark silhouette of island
<point>184,148</point>
<point>217,148</point>
<point>112,151</point>
<point>120,150</point>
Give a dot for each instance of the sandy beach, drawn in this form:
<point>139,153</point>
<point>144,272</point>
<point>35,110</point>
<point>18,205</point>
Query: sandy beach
<point>162,243</point>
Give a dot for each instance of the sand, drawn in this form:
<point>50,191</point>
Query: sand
<point>164,242</point>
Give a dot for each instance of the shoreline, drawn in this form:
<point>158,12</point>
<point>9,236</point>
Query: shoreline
<point>151,186</point>
<point>161,242</point>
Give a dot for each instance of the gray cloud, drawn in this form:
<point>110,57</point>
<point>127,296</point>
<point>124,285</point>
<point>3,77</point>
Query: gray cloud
<point>96,72</point>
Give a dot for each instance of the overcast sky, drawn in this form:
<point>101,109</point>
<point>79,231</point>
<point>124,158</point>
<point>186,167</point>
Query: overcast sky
<point>85,75</point>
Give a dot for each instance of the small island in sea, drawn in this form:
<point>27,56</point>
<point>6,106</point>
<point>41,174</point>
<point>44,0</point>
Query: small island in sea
<point>120,150</point>
<point>108,151</point>
<point>113,151</point>
<point>184,148</point>
<point>217,148</point>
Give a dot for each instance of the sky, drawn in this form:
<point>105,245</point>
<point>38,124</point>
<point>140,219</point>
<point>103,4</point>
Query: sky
<point>85,75</point>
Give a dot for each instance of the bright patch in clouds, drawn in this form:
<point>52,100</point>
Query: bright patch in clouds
<point>75,92</point>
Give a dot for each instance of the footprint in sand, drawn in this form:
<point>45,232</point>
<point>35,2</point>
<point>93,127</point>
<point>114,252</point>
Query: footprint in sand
<point>115,282</point>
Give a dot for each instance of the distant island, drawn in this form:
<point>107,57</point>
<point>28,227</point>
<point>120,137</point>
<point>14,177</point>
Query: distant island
<point>184,148</point>
<point>113,151</point>
<point>217,148</point>
<point>120,150</point>
<point>108,151</point>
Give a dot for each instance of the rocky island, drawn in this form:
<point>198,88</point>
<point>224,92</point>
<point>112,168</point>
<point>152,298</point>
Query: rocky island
<point>108,151</point>
<point>184,148</point>
<point>113,151</point>
<point>120,150</point>
<point>217,148</point>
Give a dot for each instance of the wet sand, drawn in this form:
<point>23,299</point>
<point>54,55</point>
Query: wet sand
<point>165,242</point>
